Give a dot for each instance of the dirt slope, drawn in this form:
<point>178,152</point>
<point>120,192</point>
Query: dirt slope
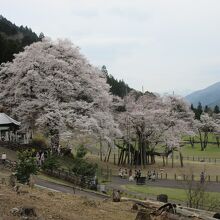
<point>54,205</point>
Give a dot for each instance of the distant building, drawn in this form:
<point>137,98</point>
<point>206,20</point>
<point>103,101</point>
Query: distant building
<point>8,128</point>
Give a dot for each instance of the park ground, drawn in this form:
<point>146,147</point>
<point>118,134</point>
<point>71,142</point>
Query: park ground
<point>176,190</point>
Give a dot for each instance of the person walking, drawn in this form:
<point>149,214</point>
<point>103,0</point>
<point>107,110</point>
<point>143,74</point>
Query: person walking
<point>202,178</point>
<point>4,157</point>
<point>38,158</point>
<point>42,158</point>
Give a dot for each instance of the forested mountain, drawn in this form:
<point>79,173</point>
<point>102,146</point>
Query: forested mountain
<point>117,87</point>
<point>13,39</point>
<point>209,96</point>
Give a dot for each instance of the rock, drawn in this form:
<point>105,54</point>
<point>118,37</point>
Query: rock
<point>31,181</point>
<point>50,194</point>
<point>135,207</point>
<point>143,214</point>
<point>34,197</point>
<point>162,198</point>
<point>19,190</point>
<point>216,215</point>
<point>25,218</point>
<point>90,203</point>
<point>28,211</point>
<point>12,181</point>
<point>3,181</point>
<point>116,196</point>
<point>15,211</point>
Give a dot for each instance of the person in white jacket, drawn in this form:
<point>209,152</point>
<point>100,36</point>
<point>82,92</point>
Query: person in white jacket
<point>4,157</point>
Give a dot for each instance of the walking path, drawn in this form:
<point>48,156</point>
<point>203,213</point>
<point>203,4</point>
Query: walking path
<point>68,189</point>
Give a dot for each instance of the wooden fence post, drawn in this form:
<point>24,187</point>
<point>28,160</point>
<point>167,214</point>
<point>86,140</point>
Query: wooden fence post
<point>216,178</point>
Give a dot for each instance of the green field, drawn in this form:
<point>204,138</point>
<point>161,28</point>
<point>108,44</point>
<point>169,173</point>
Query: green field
<point>172,193</point>
<point>212,151</point>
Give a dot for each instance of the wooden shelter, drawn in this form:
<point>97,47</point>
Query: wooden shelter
<point>8,128</point>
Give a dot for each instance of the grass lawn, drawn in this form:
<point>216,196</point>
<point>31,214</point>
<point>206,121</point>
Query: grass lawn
<point>173,194</point>
<point>212,151</point>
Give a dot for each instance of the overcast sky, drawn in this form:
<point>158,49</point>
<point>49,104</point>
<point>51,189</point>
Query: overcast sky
<point>162,45</point>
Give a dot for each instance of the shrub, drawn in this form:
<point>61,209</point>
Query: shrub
<point>83,168</point>
<point>66,152</point>
<point>81,151</point>
<point>26,166</point>
<point>39,141</point>
<point>50,163</point>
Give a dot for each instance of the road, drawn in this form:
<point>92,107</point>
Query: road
<point>67,189</point>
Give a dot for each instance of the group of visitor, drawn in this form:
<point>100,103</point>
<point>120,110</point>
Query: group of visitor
<point>56,150</point>
<point>128,174</point>
<point>137,174</point>
<point>151,175</point>
<point>40,158</point>
<point>123,173</point>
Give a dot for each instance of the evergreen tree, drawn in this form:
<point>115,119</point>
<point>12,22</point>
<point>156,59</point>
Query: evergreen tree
<point>104,70</point>
<point>117,87</point>
<point>198,111</point>
<point>41,36</point>
<point>13,39</point>
<point>206,109</point>
<point>216,109</point>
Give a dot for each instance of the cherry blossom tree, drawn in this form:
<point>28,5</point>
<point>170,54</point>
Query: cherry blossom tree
<point>52,87</point>
<point>206,126</point>
<point>155,120</point>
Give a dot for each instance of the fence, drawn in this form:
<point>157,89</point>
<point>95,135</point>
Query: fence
<point>200,159</point>
<point>114,158</point>
<point>185,177</point>
<point>82,181</point>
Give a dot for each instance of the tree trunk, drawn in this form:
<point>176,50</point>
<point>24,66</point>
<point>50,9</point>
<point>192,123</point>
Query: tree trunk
<point>110,150</point>
<point>181,159</point>
<point>172,158</point>
<point>100,150</point>
<point>144,153</point>
<point>164,162</point>
<point>192,141</point>
<point>119,159</point>
<point>55,140</point>
<point>201,142</point>
<point>141,153</point>
<point>206,138</point>
<point>217,140</point>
